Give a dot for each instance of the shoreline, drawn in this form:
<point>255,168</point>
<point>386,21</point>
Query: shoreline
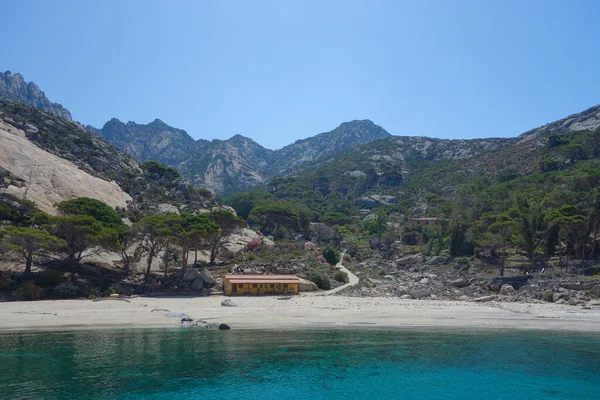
<point>299,312</point>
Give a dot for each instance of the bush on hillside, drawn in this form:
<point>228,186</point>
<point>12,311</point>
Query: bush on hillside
<point>331,255</point>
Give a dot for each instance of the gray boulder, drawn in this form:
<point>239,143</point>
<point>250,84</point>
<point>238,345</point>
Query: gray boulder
<point>207,276</point>
<point>190,275</point>
<point>464,298</point>
<point>507,289</point>
<point>223,327</point>
<point>436,260</point>
<point>400,291</point>
<point>197,283</point>
<point>595,291</point>
<point>459,283</point>
<point>228,303</point>
<point>556,297</point>
<point>421,294</point>
<point>307,286</point>
<point>406,297</point>
<point>547,295</point>
<point>484,299</point>
<point>409,260</point>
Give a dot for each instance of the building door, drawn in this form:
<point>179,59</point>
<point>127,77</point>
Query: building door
<point>234,288</point>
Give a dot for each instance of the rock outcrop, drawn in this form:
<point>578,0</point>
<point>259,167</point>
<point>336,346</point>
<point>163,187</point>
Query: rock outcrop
<point>47,179</point>
<point>14,88</point>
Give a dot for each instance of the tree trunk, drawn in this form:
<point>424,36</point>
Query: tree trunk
<point>126,262</point>
<point>195,255</point>
<point>150,258</point>
<point>213,255</point>
<point>595,233</point>
<point>503,258</point>
<point>28,262</point>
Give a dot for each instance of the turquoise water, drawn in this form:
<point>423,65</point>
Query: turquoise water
<point>314,364</point>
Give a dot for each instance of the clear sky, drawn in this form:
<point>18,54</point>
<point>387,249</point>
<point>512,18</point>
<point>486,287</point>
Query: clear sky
<point>278,71</point>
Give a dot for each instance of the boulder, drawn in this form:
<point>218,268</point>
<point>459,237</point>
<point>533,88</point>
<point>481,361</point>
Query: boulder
<point>166,208</point>
<point>190,275</point>
<point>406,297</point>
<point>561,301</point>
<point>409,260</point>
<point>365,202</point>
<point>464,298</point>
<point>573,301</point>
<point>388,278</point>
<point>436,260</point>
<point>207,276</point>
<point>424,281</point>
<point>595,291</point>
<point>556,297</point>
<point>308,286</point>
<point>248,271</point>
<point>228,303</point>
<point>507,289</point>
<point>421,293</point>
<point>459,283</point>
<point>515,281</point>
<point>547,295</point>
<point>223,327</point>
<point>484,299</point>
<point>400,291</point>
<point>495,287</point>
<point>197,283</point>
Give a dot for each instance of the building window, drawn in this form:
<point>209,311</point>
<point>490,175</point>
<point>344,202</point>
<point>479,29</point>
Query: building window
<point>255,285</point>
<point>285,285</point>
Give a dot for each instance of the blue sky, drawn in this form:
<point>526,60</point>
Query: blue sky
<point>278,71</point>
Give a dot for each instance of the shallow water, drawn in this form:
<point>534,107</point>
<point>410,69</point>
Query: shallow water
<point>316,364</point>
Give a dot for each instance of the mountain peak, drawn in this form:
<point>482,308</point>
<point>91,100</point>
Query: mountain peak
<point>14,88</point>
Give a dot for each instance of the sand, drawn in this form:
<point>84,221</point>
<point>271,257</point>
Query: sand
<point>297,312</point>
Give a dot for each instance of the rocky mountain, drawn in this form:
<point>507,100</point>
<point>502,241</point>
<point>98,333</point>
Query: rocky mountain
<point>417,174</point>
<point>154,141</point>
<point>325,145</point>
<point>14,88</point>
<point>238,163</point>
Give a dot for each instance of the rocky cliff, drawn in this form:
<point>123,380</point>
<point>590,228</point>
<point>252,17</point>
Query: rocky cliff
<point>45,178</point>
<point>14,88</point>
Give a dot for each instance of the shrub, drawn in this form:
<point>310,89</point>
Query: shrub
<point>49,277</point>
<point>5,281</point>
<point>331,255</point>
<point>320,280</point>
<point>67,290</point>
<point>30,291</point>
<point>341,276</point>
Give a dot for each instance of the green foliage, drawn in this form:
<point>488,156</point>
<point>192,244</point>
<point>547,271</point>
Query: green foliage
<point>67,290</point>
<point>29,242</point>
<point>319,279</point>
<point>157,171</point>
<point>100,211</point>
<point>335,218</point>
<point>331,255</point>
<point>341,277</point>
<point>270,217</point>
<point>80,233</point>
<point>30,291</point>
<point>244,202</point>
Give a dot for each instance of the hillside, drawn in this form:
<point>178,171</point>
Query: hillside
<point>47,159</point>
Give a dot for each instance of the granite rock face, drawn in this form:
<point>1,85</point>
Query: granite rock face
<point>13,87</point>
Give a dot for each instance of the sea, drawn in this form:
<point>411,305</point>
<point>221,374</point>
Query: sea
<point>324,363</point>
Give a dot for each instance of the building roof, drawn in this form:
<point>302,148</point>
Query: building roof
<point>262,278</point>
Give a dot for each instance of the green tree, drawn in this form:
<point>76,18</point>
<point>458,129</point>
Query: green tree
<point>270,217</point>
<point>529,223</point>
<point>244,202</point>
<point>228,223</point>
<point>335,218</point>
<point>331,255</point>
<point>82,233</point>
<point>29,242</point>
<point>566,218</point>
<point>150,231</point>
<point>500,227</point>
<point>101,212</point>
<point>195,230</point>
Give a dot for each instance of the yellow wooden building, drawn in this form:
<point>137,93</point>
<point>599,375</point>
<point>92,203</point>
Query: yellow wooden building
<point>261,284</point>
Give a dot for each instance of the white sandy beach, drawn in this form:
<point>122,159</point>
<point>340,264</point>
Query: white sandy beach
<point>297,312</point>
